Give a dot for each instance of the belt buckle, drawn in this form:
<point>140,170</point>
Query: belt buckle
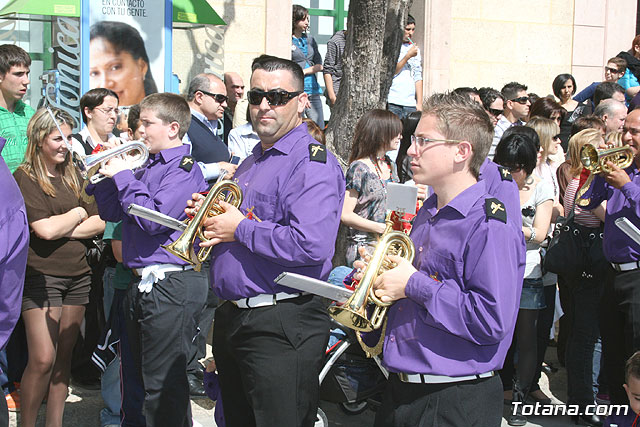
<point>403,377</point>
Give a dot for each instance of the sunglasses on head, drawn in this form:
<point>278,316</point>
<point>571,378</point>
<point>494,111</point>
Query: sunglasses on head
<point>220,98</point>
<point>611,70</point>
<point>495,111</point>
<point>521,100</point>
<point>274,96</point>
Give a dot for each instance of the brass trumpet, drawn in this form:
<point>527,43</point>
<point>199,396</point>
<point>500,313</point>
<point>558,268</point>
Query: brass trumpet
<point>90,164</point>
<point>596,162</point>
<point>353,313</point>
<point>226,190</point>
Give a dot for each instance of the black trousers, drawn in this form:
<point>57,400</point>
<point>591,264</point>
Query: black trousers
<point>268,361</point>
<point>199,345</point>
<point>161,326</point>
<point>466,403</point>
<point>4,413</point>
<point>620,328</point>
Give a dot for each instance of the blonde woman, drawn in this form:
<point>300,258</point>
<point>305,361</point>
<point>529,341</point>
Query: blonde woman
<point>58,276</point>
<point>584,290</point>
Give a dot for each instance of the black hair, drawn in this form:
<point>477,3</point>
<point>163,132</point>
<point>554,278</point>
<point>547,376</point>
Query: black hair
<point>299,13</point>
<point>272,63</point>
<point>605,90</point>
<point>409,125</point>
<point>410,20</point>
<point>11,55</point>
<point>133,118</point>
<point>510,90</point>
<point>123,37</point>
<point>465,91</point>
<point>527,131</point>
<point>517,150</point>
<point>488,95</point>
<point>559,81</point>
<point>94,98</point>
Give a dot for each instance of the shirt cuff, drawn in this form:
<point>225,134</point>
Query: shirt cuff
<point>209,170</point>
<point>244,231</point>
<point>631,191</point>
<point>420,287</point>
<point>122,178</point>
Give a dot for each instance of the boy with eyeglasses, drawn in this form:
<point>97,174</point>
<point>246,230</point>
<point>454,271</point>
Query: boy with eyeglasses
<point>455,306</point>
<point>269,340</point>
<point>516,110</point>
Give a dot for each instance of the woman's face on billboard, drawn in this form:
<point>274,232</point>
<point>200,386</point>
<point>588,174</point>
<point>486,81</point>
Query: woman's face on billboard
<point>117,71</point>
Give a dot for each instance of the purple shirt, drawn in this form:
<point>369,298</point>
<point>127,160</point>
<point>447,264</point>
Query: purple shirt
<point>461,306</point>
<point>618,247</point>
<point>299,201</point>
<point>14,245</point>
<point>500,184</point>
<point>162,185</point>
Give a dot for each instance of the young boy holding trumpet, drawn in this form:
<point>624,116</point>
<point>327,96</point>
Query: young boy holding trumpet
<point>163,310</point>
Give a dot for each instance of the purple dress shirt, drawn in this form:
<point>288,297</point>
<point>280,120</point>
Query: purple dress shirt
<point>502,186</point>
<point>14,245</point>
<point>162,185</point>
<point>299,202</point>
<point>462,303</point>
<point>618,247</point>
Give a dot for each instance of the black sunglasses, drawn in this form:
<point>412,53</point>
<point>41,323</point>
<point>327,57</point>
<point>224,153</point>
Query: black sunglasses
<point>521,100</point>
<point>612,70</point>
<point>495,111</point>
<point>274,96</point>
<point>220,98</point>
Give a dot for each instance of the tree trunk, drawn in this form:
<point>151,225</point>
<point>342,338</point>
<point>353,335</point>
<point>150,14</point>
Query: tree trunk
<point>374,36</point>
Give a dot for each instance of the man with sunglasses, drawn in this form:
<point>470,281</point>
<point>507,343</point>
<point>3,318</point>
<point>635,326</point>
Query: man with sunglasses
<point>454,308</point>
<point>269,340</point>
<point>516,110</point>
<point>207,99</point>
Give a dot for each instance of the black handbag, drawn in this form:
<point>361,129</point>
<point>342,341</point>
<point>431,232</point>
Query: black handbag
<point>566,254</point>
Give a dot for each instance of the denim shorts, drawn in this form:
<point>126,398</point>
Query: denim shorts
<point>532,297</point>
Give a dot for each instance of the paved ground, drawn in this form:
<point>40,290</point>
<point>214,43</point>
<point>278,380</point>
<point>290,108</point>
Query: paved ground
<point>83,406</point>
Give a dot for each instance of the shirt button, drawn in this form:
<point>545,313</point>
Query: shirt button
<point>392,339</point>
<point>420,249</point>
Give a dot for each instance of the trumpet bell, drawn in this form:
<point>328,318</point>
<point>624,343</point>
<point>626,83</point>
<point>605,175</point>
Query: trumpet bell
<point>137,152</point>
<point>596,160</point>
<point>228,191</point>
<point>354,313</point>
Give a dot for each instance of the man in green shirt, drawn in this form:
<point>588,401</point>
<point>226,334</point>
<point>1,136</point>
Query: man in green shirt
<point>14,113</point>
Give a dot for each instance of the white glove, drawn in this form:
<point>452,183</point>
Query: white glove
<point>150,275</point>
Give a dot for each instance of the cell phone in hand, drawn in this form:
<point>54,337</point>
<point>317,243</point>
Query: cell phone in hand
<point>234,160</point>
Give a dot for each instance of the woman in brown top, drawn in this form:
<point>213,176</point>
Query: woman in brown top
<point>58,275</point>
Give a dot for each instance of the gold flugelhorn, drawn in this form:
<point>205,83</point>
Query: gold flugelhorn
<point>90,164</point>
<point>596,162</point>
<point>226,190</point>
<point>353,312</point>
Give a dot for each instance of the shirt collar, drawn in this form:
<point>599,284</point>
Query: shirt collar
<point>169,154</point>
<point>198,115</point>
<point>287,142</point>
<point>463,202</point>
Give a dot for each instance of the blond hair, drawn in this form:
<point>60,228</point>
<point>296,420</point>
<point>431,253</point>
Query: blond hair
<point>577,141</point>
<point>39,128</point>
<point>546,129</point>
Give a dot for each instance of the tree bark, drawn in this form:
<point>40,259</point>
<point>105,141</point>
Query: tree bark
<point>374,35</point>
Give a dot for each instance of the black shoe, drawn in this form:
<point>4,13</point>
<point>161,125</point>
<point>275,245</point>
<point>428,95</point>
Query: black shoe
<point>196,389</point>
<point>197,374</point>
<point>516,419</point>
<point>587,420</point>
